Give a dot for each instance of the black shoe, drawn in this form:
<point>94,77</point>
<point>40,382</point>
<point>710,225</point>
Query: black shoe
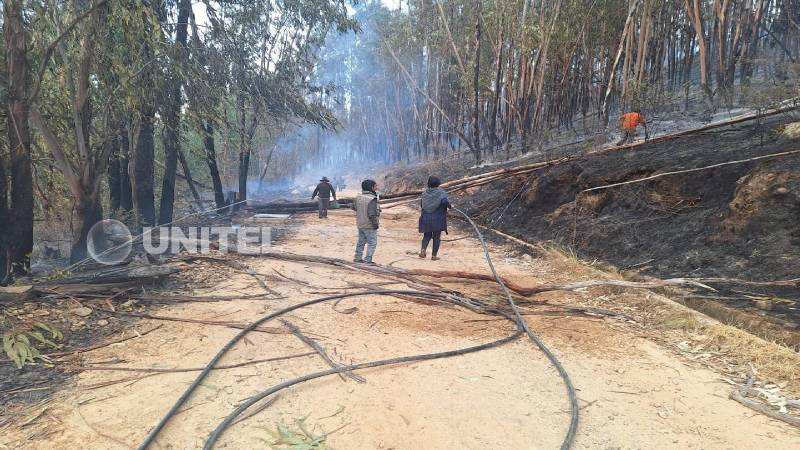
<point>358,260</point>
<point>370,263</point>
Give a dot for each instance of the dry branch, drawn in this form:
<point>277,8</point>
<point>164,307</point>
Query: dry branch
<point>697,169</point>
<point>189,369</point>
<point>104,344</point>
<point>270,330</point>
<point>514,286</point>
<point>239,267</point>
<point>737,395</point>
<point>321,351</point>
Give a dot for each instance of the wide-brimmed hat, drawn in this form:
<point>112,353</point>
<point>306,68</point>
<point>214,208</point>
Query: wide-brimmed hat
<point>324,179</point>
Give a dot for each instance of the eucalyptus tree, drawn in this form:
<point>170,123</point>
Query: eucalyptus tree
<point>172,105</point>
<point>16,218</point>
<point>270,51</point>
<point>81,89</point>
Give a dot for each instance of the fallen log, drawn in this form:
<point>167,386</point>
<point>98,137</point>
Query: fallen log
<point>16,293</point>
<point>105,280</point>
<point>116,274</point>
<point>284,207</point>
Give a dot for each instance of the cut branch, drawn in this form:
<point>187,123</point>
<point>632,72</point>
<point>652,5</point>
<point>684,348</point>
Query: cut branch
<point>321,351</point>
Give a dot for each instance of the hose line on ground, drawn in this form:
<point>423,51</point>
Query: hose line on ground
<point>573,400</point>
<point>517,319</point>
<point>449,298</point>
<point>212,438</point>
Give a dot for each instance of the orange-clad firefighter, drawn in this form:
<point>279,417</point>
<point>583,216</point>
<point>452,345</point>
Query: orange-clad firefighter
<point>629,122</point>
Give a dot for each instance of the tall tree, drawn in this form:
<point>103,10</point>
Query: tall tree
<point>172,112</point>
<point>82,170</point>
<point>20,239</point>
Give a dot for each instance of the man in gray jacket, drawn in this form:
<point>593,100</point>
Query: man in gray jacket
<point>367,215</point>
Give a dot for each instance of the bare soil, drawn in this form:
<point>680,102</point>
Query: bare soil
<point>636,387</point>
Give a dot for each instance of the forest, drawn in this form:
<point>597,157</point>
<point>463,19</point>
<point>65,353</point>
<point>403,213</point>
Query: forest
<point>588,286</point>
<point>110,103</point>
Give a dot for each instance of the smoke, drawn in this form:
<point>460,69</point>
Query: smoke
<point>359,85</point>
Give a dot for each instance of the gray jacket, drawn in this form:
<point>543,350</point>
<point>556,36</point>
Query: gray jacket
<point>367,210</point>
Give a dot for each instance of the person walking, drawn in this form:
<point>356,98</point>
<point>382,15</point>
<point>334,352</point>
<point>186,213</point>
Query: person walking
<point>367,220</point>
<point>324,190</point>
<point>629,122</point>
<point>433,219</point>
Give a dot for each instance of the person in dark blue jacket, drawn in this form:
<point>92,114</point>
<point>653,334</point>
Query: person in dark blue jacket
<point>433,219</point>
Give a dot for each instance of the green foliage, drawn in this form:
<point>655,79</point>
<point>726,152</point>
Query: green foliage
<point>302,438</point>
<point>19,343</point>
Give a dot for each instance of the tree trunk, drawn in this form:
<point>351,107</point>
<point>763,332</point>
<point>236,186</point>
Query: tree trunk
<point>19,139</point>
<point>695,14</point>
<point>172,116</point>
<point>144,197</point>
<point>114,175</point>
<point>476,126</point>
<point>125,194</point>
<point>244,151</point>
<point>5,253</point>
<point>211,160</point>
<point>497,89</point>
<point>88,211</point>
<point>187,174</point>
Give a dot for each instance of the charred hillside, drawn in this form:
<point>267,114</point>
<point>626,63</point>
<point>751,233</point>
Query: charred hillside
<point>737,221</point>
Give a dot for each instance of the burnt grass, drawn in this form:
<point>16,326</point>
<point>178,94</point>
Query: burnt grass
<point>735,221</point>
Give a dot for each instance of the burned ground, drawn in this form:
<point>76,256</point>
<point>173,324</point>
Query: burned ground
<point>736,221</point>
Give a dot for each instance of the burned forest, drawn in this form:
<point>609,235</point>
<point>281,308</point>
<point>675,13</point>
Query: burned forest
<point>319,224</point>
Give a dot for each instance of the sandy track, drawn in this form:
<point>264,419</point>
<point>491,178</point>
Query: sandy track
<point>633,392</point>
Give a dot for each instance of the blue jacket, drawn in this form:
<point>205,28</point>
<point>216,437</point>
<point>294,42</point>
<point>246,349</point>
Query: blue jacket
<point>436,220</point>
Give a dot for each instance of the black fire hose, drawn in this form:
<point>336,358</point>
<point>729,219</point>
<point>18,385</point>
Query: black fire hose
<point>196,383</point>
<point>573,400</point>
<point>212,438</point>
<point>517,319</point>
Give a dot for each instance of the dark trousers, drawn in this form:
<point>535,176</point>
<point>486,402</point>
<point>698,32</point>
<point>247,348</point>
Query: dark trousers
<point>627,137</point>
<point>437,240</point>
<point>323,204</point>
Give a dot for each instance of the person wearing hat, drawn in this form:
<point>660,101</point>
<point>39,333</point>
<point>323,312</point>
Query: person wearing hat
<point>324,190</point>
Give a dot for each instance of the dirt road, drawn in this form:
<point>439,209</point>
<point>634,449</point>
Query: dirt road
<point>633,392</point>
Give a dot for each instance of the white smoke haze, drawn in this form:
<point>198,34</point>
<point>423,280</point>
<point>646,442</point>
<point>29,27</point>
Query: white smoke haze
<point>355,74</point>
